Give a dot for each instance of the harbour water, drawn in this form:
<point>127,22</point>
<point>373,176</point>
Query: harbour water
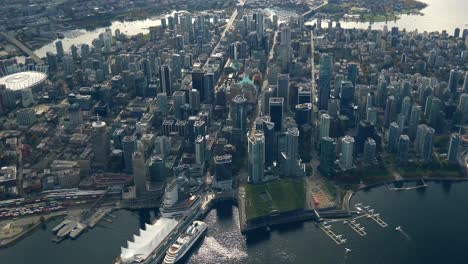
<point>433,221</point>
<point>438,15</point>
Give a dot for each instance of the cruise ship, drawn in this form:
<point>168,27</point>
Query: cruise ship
<point>178,201</point>
<point>185,242</point>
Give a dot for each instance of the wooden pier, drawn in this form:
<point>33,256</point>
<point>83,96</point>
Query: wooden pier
<point>356,227</point>
<point>337,238</point>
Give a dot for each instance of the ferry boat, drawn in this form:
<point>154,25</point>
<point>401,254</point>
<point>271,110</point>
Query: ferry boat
<point>185,242</point>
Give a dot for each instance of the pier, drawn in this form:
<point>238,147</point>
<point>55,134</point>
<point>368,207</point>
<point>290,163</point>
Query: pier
<point>337,238</point>
<point>377,219</point>
<point>423,185</point>
<point>355,226</point>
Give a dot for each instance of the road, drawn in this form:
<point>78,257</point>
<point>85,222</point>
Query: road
<point>226,29</point>
<point>22,47</point>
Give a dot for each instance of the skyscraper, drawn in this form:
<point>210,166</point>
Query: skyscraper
<point>347,149</point>
<point>101,144</point>
<point>139,172</point>
<point>423,142</point>
<point>370,150</point>
<point>200,150</point>
<point>327,156</point>
<point>453,147</point>
<point>393,136</point>
<point>463,106</point>
<point>239,114</point>
<point>325,120</point>
<point>128,147</point>
<point>403,147</point>
<point>415,118</point>
<point>453,81</point>
<point>165,79</point>
<point>223,171</point>
<point>256,156</point>
<point>283,89</point>
<point>276,111</point>
<point>59,49</point>
<point>291,155</point>
<point>325,74</point>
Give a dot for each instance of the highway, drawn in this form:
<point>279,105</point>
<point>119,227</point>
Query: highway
<point>22,47</point>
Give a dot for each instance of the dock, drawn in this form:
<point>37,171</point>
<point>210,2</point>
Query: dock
<point>355,226</point>
<point>377,219</point>
<point>337,238</point>
<point>423,185</point>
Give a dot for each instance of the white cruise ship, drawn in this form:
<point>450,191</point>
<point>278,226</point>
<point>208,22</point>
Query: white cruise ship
<point>185,242</point>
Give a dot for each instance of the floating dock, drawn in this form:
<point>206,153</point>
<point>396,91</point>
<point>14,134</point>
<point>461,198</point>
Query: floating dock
<point>337,238</point>
<point>356,227</point>
<point>377,219</point>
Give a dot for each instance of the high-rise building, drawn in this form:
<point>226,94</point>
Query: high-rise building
<point>276,111</point>
<point>424,141</point>
<point>157,171</point>
<point>353,72</point>
<point>139,172</point>
<point>223,171</point>
<point>406,107</point>
<point>463,106</point>
<point>453,81</point>
<point>393,136</point>
<point>283,89</point>
<point>453,147</point>
<point>209,86</point>
<point>371,115</point>
<point>347,150</point>
<point>59,49</point>
<point>303,114</point>
<point>325,120</point>
<point>271,150</point>
<point>415,118</point>
<point>465,83</point>
<point>129,146</point>
<point>259,22</point>
<point>256,156</point>
<point>291,155</point>
<point>200,150</point>
<point>403,147</point>
<point>165,79</point>
<point>163,103</point>
<point>25,117</point>
<point>101,144</point>
<point>327,156</point>
<point>436,115</point>
<point>325,74</point>
<point>370,150</point>
<point>68,65</point>
<point>198,82</point>
<point>239,114</point>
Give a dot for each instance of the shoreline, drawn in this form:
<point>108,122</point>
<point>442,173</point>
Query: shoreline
<point>12,241</point>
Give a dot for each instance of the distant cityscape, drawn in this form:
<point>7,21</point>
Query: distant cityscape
<point>220,103</point>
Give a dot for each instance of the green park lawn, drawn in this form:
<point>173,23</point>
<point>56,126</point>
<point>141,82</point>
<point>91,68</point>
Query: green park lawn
<point>281,195</point>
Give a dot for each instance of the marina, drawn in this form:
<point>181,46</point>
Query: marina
<point>327,229</point>
<point>355,226</point>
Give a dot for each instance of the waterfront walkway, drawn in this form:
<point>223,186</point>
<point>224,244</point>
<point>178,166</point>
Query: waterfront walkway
<point>22,47</point>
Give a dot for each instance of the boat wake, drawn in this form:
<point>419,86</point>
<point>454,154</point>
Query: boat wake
<point>213,252</point>
<point>404,234</point>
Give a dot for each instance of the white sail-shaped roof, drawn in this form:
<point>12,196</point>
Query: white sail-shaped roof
<point>147,240</point>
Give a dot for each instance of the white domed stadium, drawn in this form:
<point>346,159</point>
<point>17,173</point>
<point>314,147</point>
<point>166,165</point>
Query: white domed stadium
<point>23,80</point>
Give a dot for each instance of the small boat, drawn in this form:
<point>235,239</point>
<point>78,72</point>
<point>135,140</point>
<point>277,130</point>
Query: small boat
<point>398,228</point>
<point>348,250</point>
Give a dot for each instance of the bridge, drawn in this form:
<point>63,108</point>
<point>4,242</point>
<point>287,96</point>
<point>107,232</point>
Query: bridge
<point>313,10</point>
<point>22,47</point>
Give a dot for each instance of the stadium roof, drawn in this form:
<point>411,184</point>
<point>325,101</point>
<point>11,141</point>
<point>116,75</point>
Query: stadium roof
<point>22,80</point>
